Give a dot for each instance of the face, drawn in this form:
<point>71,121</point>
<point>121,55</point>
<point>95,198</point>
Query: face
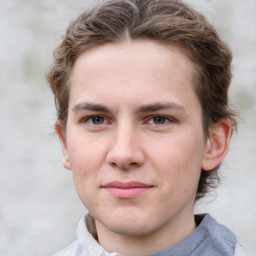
<point>134,138</point>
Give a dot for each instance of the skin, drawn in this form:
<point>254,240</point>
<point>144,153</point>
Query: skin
<point>134,116</point>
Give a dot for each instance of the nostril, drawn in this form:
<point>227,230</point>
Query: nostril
<point>123,165</point>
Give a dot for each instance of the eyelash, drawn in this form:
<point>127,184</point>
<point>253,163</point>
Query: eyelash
<point>89,120</point>
<point>165,120</point>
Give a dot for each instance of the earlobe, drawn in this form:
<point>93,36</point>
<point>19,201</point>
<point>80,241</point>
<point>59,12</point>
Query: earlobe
<point>63,143</point>
<point>217,144</point>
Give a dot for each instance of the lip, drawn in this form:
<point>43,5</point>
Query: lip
<point>127,190</point>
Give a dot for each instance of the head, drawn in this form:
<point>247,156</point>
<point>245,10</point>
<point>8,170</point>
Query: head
<point>168,22</point>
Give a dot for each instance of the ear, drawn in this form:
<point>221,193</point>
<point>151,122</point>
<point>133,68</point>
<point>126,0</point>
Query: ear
<point>217,144</point>
<point>63,143</point>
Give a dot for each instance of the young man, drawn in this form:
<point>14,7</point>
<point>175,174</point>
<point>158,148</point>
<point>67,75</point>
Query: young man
<point>144,123</point>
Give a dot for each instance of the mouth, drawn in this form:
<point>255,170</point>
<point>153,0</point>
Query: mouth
<point>127,190</point>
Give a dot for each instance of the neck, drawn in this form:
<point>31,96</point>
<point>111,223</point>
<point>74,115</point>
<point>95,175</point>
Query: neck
<point>167,236</point>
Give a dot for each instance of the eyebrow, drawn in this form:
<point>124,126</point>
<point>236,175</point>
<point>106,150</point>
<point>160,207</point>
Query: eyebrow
<point>161,106</point>
<point>90,106</point>
<point>142,109</point>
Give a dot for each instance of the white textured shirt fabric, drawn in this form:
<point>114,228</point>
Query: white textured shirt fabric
<point>208,239</point>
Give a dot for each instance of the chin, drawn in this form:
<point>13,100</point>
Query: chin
<point>128,224</point>
<point>130,229</point>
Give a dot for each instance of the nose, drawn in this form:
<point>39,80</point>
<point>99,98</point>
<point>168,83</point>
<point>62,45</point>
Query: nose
<point>126,149</point>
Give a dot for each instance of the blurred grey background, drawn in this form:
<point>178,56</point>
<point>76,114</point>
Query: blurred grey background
<point>39,208</point>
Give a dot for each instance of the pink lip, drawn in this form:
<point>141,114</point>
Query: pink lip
<point>127,190</point>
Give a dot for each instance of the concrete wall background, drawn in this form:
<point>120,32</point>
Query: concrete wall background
<point>39,208</point>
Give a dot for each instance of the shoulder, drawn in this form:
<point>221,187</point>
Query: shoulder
<point>220,238</point>
<point>223,240</point>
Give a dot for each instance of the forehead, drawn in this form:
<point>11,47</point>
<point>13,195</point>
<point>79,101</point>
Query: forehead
<point>131,53</point>
<point>137,70</point>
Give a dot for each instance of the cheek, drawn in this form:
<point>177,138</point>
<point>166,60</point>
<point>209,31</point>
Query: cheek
<point>179,162</point>
<point>85,165</point>
<point>85,151</point>
<point>85,158</point>
<point>177,150</point>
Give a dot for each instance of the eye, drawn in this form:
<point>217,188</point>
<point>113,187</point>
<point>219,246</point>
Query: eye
<point>159,119</point>
<point>95,120</point>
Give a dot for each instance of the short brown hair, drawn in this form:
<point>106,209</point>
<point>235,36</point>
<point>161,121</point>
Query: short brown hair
<point>164,21</point>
